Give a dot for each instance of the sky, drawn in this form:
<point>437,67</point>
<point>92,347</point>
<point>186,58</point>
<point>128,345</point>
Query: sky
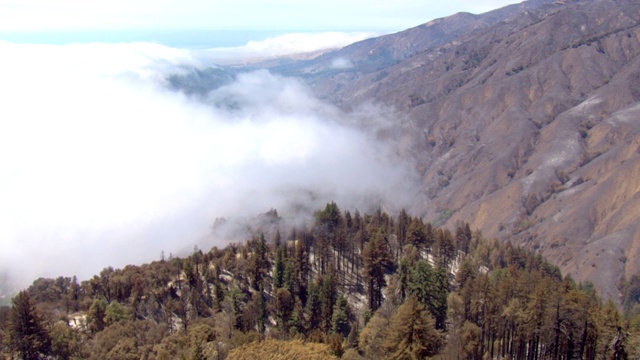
<point>103,164</point>
<point>229,22</point>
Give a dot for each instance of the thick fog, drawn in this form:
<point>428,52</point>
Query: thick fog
<point>101,164</point>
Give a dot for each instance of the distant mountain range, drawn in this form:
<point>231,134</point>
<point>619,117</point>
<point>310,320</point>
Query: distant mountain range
<point>523,121</point>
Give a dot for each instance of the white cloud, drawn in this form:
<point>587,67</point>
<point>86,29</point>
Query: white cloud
<point>297,43</point>
<point>341,63</point>
<point>102,165</point>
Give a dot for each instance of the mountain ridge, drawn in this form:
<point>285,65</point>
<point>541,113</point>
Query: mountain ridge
<point>528,109</point>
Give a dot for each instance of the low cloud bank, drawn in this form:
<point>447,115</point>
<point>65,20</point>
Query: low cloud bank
<point>103,165</point>
<point>288,44</point>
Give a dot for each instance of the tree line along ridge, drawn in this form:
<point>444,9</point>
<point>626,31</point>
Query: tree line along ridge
<point>350,285</point>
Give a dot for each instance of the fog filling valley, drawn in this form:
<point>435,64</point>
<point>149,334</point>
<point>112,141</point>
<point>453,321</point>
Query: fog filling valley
<point>102,164</point>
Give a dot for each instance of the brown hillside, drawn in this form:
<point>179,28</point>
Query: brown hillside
<point>528,124</point>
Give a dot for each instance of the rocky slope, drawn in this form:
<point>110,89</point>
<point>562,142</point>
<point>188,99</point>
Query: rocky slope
<point>524,121</point>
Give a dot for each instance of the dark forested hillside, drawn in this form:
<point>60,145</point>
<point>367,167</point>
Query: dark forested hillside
<point>350,285</point>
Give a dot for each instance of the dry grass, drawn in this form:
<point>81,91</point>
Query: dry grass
<point>272,349</point>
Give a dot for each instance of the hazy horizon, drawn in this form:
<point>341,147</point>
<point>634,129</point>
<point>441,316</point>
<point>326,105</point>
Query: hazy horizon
<point>197,23</point>
<point>181,39</point>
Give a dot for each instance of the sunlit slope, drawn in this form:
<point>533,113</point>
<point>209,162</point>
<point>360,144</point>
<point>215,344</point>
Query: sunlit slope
<point>525,123</point>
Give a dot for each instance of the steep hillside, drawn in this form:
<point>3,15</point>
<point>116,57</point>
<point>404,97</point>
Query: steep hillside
<point>375,54</point>
<point>530,111</point>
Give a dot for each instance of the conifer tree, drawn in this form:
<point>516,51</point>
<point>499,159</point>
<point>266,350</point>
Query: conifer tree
<point>289,278</point>
<point>446,251</point>
<point>26,332</point>
<point>438,303</point>
<point>415,233</point>
<point>73,294</point>
<point>421,281</point>
<point>301,265</point>
<point>262,310</point>
<point>402,225</point>
<point>218,288</point>
<point>277,240</point>
<point>259,265</point>
<point>235,296</point>
<point>314,307</point>
<point>328,297</point>
<point>404,268</point>
<point>412,333</point>
<point>284,308</point>
<point>375,257</point>
<point>298,324</point>
<point>96,315</point>
<point>278,269</point>
<point>463,237</point>
<point>340,320</point>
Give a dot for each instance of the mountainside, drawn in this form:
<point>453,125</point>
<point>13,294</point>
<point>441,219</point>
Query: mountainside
<point>525,121</point>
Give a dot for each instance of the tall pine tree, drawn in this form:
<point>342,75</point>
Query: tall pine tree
<point>26,333</point>
<point>412,333</point>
